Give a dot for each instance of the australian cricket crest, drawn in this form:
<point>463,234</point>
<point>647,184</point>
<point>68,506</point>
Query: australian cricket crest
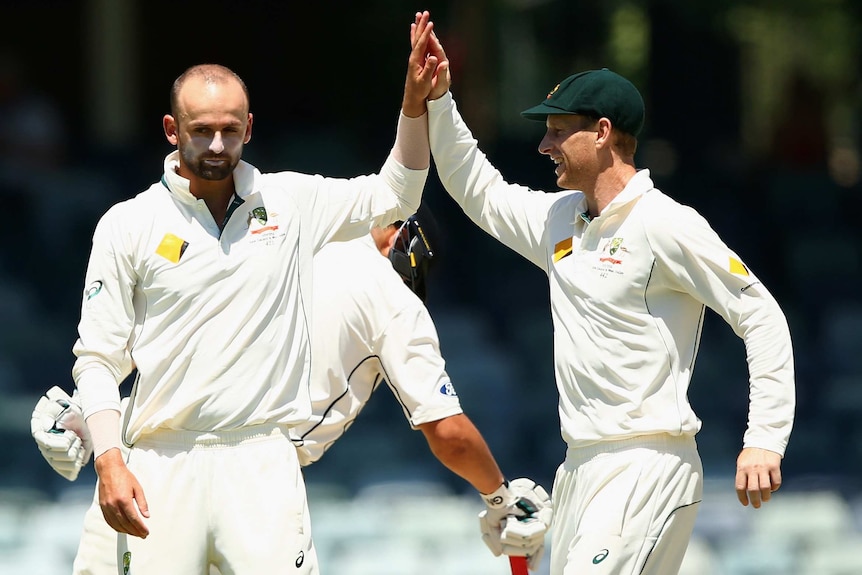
<point>259,214</point>
<point>613,252</point>
<point>127,562</point>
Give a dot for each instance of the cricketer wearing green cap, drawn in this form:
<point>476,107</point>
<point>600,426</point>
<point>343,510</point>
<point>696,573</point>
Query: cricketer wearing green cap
<point>594,93</point>
<point>631,272</point>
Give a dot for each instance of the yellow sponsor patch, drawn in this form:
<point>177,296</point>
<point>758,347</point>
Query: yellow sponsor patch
<point>172,247</point>
<point>562,249</point>
<point>737,267</point>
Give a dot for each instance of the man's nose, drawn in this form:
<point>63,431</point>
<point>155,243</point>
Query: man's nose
<point>217,144</point>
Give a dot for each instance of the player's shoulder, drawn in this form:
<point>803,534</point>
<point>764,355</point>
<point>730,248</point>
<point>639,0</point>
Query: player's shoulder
<point>562,200</point>
<point>661,209</point>
<point>285,181</point>
<point>137,207</point>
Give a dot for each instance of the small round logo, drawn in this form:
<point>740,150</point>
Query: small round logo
<point>300,559</point>
<point>601,556</point>
<point>448,389</point>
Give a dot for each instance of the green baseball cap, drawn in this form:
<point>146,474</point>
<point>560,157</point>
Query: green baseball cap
<point>600,93</point>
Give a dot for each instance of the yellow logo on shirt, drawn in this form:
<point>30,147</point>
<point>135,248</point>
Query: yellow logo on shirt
<point>737,267</point>
<point>172,248</point>
<point>562,249</point>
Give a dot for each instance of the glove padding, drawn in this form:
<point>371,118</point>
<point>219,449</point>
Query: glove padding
<point>58,426</point>
<point>515,520</point>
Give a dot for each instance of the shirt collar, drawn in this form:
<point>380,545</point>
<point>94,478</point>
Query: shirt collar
<point>244,176</point>
<point>640,184</point>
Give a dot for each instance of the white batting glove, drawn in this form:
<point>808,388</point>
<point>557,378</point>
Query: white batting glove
<point>515,520</point>
<point>58,426</point>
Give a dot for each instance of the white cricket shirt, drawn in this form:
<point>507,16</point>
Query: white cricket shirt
<point>627,293</point>
<point>217,323</point>
<point>369,328</point>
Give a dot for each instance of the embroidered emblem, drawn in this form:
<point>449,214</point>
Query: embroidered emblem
<point>260,215</point>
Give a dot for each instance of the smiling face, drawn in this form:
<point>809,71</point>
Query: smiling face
<point>571,141</point>
<point>210,126</point>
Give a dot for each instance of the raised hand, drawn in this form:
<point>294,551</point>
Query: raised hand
<point>421,67</point>
<point>427,46</point>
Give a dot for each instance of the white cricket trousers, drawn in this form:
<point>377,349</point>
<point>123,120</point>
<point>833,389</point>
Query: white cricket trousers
<point>626,507</point>
<point>232,499</point>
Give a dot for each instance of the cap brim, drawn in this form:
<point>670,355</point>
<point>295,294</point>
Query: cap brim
<point>542,111</point>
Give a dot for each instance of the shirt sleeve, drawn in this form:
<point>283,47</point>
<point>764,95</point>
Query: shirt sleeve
<point>513,214</point>
<point>696,261</point>
<point>409,351</point>
<point>107,316</point>
<point>342,209</point>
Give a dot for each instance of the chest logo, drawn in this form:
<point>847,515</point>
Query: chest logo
<point>172,248</point>
<point>562,249</point>
<point>261,222</point>
<point>259,214</point>
<point>613,252</point>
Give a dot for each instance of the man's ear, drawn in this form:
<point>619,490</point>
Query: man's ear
<point>603,132</point>
<point>170,126</point>
<point>248,128</point>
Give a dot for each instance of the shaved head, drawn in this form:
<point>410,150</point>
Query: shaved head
<point>210,74</point>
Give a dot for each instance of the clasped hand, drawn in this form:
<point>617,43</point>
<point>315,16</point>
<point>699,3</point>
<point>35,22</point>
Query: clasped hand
<point>516,519</point>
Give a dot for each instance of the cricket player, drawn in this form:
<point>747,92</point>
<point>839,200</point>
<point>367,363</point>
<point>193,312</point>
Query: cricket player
<point>203,283</point>
<point>370,330</point>
<point>631,273</point>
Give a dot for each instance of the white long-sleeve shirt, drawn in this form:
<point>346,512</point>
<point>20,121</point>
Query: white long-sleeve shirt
<point>369,328</point>
<point>628,292</point>
<point>217,322</point>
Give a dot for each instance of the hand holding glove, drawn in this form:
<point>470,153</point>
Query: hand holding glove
<point>515,520</point>
<point>58,426</point>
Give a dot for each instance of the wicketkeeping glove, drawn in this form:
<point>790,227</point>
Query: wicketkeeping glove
<point>515,520</point>
<point>58,426</point>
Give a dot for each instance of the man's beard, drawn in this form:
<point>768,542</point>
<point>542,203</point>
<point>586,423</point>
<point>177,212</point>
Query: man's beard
<point>201,169</point>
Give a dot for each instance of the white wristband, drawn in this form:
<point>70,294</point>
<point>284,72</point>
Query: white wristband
<point>499,498</point>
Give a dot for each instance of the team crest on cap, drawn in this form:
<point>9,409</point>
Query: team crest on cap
<point>551,93</point>
<point>127,562</point>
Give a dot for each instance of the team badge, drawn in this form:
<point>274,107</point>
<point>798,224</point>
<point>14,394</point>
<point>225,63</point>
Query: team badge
<point>551,93</point>
<point>260,215</point>
<point>613,252</point>
<point>127,562</point>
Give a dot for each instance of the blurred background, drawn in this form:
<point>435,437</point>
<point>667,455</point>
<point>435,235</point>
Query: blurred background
<point>754,110</point>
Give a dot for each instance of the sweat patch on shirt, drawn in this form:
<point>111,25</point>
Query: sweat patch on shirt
<point>172,248</point>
